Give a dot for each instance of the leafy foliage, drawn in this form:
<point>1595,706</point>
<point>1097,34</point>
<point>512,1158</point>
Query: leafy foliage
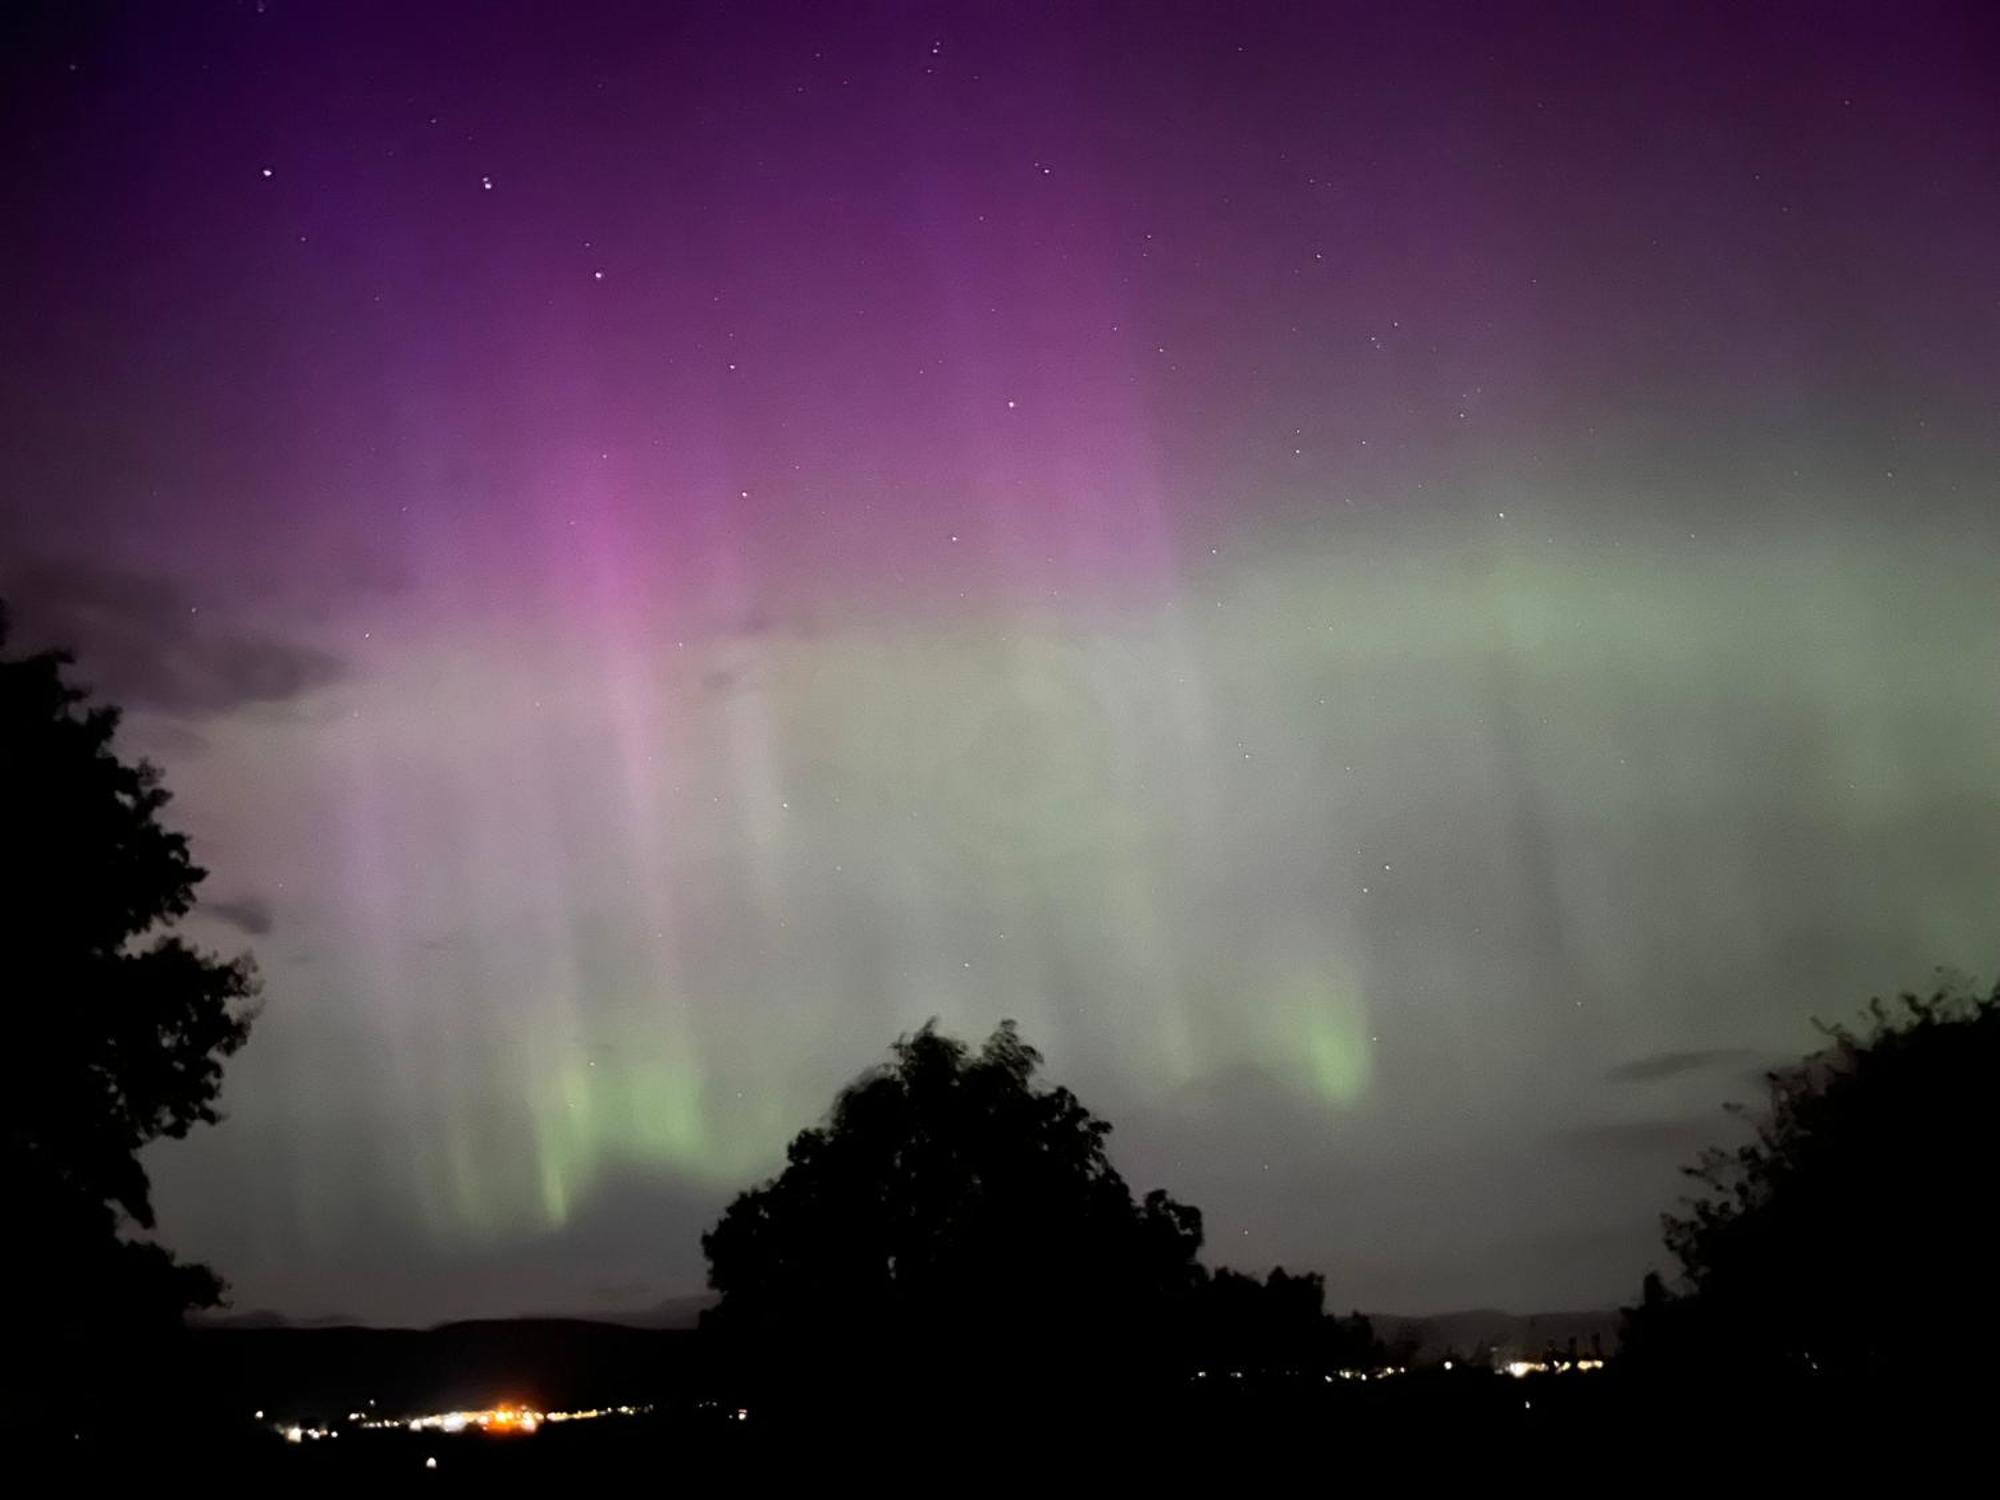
<point>1279,1324</point>
<point>954,1223</point>
<point>117,1031</point>
<point>948,1198</point>
<point>1852,1234</point>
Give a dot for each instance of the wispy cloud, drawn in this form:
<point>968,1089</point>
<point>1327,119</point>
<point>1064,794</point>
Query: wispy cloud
<point>1682,1137</point>
<point>142,641</point>
<point>1660,1065</point>
<point>249,915</point>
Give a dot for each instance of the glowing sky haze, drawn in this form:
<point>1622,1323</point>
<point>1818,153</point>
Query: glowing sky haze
<point>1413,589</point>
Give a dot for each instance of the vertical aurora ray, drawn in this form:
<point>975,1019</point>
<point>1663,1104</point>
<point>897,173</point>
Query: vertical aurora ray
<point>1017,796</point>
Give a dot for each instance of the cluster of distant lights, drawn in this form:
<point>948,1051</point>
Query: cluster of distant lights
<point>1519,1369</point>
<point>508,1420</point>
<point>504,1420</point>
<point>1381,1372</point>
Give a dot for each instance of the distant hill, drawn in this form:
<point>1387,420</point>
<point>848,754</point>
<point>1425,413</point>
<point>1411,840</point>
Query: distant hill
<point>1432,1336</point>
<point>263,1317</point>
<point>668,1313</point>
<point>671,1312</point>
<point>259,1360</point>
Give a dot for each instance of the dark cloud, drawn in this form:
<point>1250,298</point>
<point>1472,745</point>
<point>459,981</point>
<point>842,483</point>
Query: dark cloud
<point>1659,1065</point>
<point>1651,1137</point>
<point>143,641</point>
<point>248,915</point>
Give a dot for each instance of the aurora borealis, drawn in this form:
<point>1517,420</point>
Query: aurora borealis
<point>1413,589</point>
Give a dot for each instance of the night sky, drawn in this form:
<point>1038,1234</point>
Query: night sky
<point>1413,588</point>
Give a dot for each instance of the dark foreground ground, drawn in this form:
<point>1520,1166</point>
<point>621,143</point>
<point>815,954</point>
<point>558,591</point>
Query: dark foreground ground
<point>193,1414</point>
<point>1507,1435</point>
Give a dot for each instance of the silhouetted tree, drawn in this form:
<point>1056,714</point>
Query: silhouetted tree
<point>951,1218</point>
<point>116,1031</point>
<point>1276,1326</point>
<point>1853,1234</point>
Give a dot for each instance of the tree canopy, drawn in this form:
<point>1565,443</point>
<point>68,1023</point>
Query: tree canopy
<point>954,1217</point>
<point>1852,1234</point>
<point>1280,1324</point>
<point>117,1028</point>
<point>951,1203</point>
